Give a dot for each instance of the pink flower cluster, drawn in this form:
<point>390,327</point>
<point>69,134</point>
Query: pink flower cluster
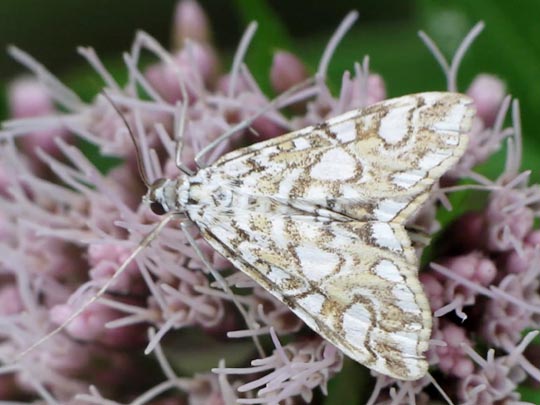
<point>66,227</point>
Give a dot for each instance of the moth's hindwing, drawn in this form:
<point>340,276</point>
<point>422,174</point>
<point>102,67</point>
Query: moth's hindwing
<point>316,217</point>
<point>354,283</point>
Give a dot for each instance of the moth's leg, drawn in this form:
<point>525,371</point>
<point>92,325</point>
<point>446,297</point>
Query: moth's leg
<point>279,102</point>
<point>250,322</point>
<point>143,40</point>
<point>179,128</point>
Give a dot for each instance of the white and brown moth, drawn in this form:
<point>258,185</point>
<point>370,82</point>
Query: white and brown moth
<point>317,218</point>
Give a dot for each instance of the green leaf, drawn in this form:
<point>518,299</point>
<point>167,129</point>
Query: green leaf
<point>271,34</point>
<point>194,351</point>
<point>529,394</point>
<point>352,385</point>
<point>508,48</point>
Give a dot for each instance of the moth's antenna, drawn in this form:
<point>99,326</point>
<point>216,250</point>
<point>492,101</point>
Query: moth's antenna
<point>142,245</point>
<point>138,154</point>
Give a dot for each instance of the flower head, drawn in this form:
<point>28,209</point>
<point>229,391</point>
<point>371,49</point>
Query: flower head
<point>67,227</point>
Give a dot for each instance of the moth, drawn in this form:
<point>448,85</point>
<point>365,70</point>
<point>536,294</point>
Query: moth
<point>317,217</point>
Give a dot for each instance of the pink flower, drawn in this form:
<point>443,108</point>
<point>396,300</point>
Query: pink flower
<point>452,359</point>
<point>198,65</point>
<point>64,236</point>
<point>292,370</point>
<point>190,23</point>
<point>29,98</point>
<point>488,92</point>
<point>509,220</point>
<point>286,71</point>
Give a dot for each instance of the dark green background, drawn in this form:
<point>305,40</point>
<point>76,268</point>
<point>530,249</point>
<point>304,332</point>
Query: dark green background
<point>509,47</point>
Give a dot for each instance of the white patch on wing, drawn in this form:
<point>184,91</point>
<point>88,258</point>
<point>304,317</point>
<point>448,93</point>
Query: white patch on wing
<point>336,164</point>
<point>247,253</point>
<point>238,168</point>
<point>223,234</point>
<point>405,298</point>
<point>394,126</point>
<point>289,180</point>
<point>345,130</point>
<point>277,275</point>
<point>387,270</point>
<point>384,236</point>
<point>413,367</point>
<point>316,192</point>
<point>432,159</point>
<point>308,231</point>
<point>408,179</point>
<point>312,302</point>
<point>452,120</point>
<point>388,209</point>
<point>301,143</point>
<point>431,97</point>
<point>451,139</point>
<point>405,341</point>
<point>356,322</point>
<point>350,192</point>
<point>279,235</point>
<point>316,263</point>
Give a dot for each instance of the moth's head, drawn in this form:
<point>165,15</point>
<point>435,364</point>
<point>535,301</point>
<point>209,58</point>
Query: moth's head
<point>165,195</point>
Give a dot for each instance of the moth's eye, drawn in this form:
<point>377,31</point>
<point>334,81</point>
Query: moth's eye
<point>157,208</point>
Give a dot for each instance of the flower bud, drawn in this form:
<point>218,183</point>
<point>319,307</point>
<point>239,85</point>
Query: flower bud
<point>190,21</point>
<point>286,71</point>
<point>488,92</point>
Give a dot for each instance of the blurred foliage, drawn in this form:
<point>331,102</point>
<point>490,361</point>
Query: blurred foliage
<point>351,386</point>
<point>509,47</point>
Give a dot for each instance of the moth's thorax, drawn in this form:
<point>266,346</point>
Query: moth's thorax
<point>207,191</point>
<point>210,191</point>
<point>170,194</point>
